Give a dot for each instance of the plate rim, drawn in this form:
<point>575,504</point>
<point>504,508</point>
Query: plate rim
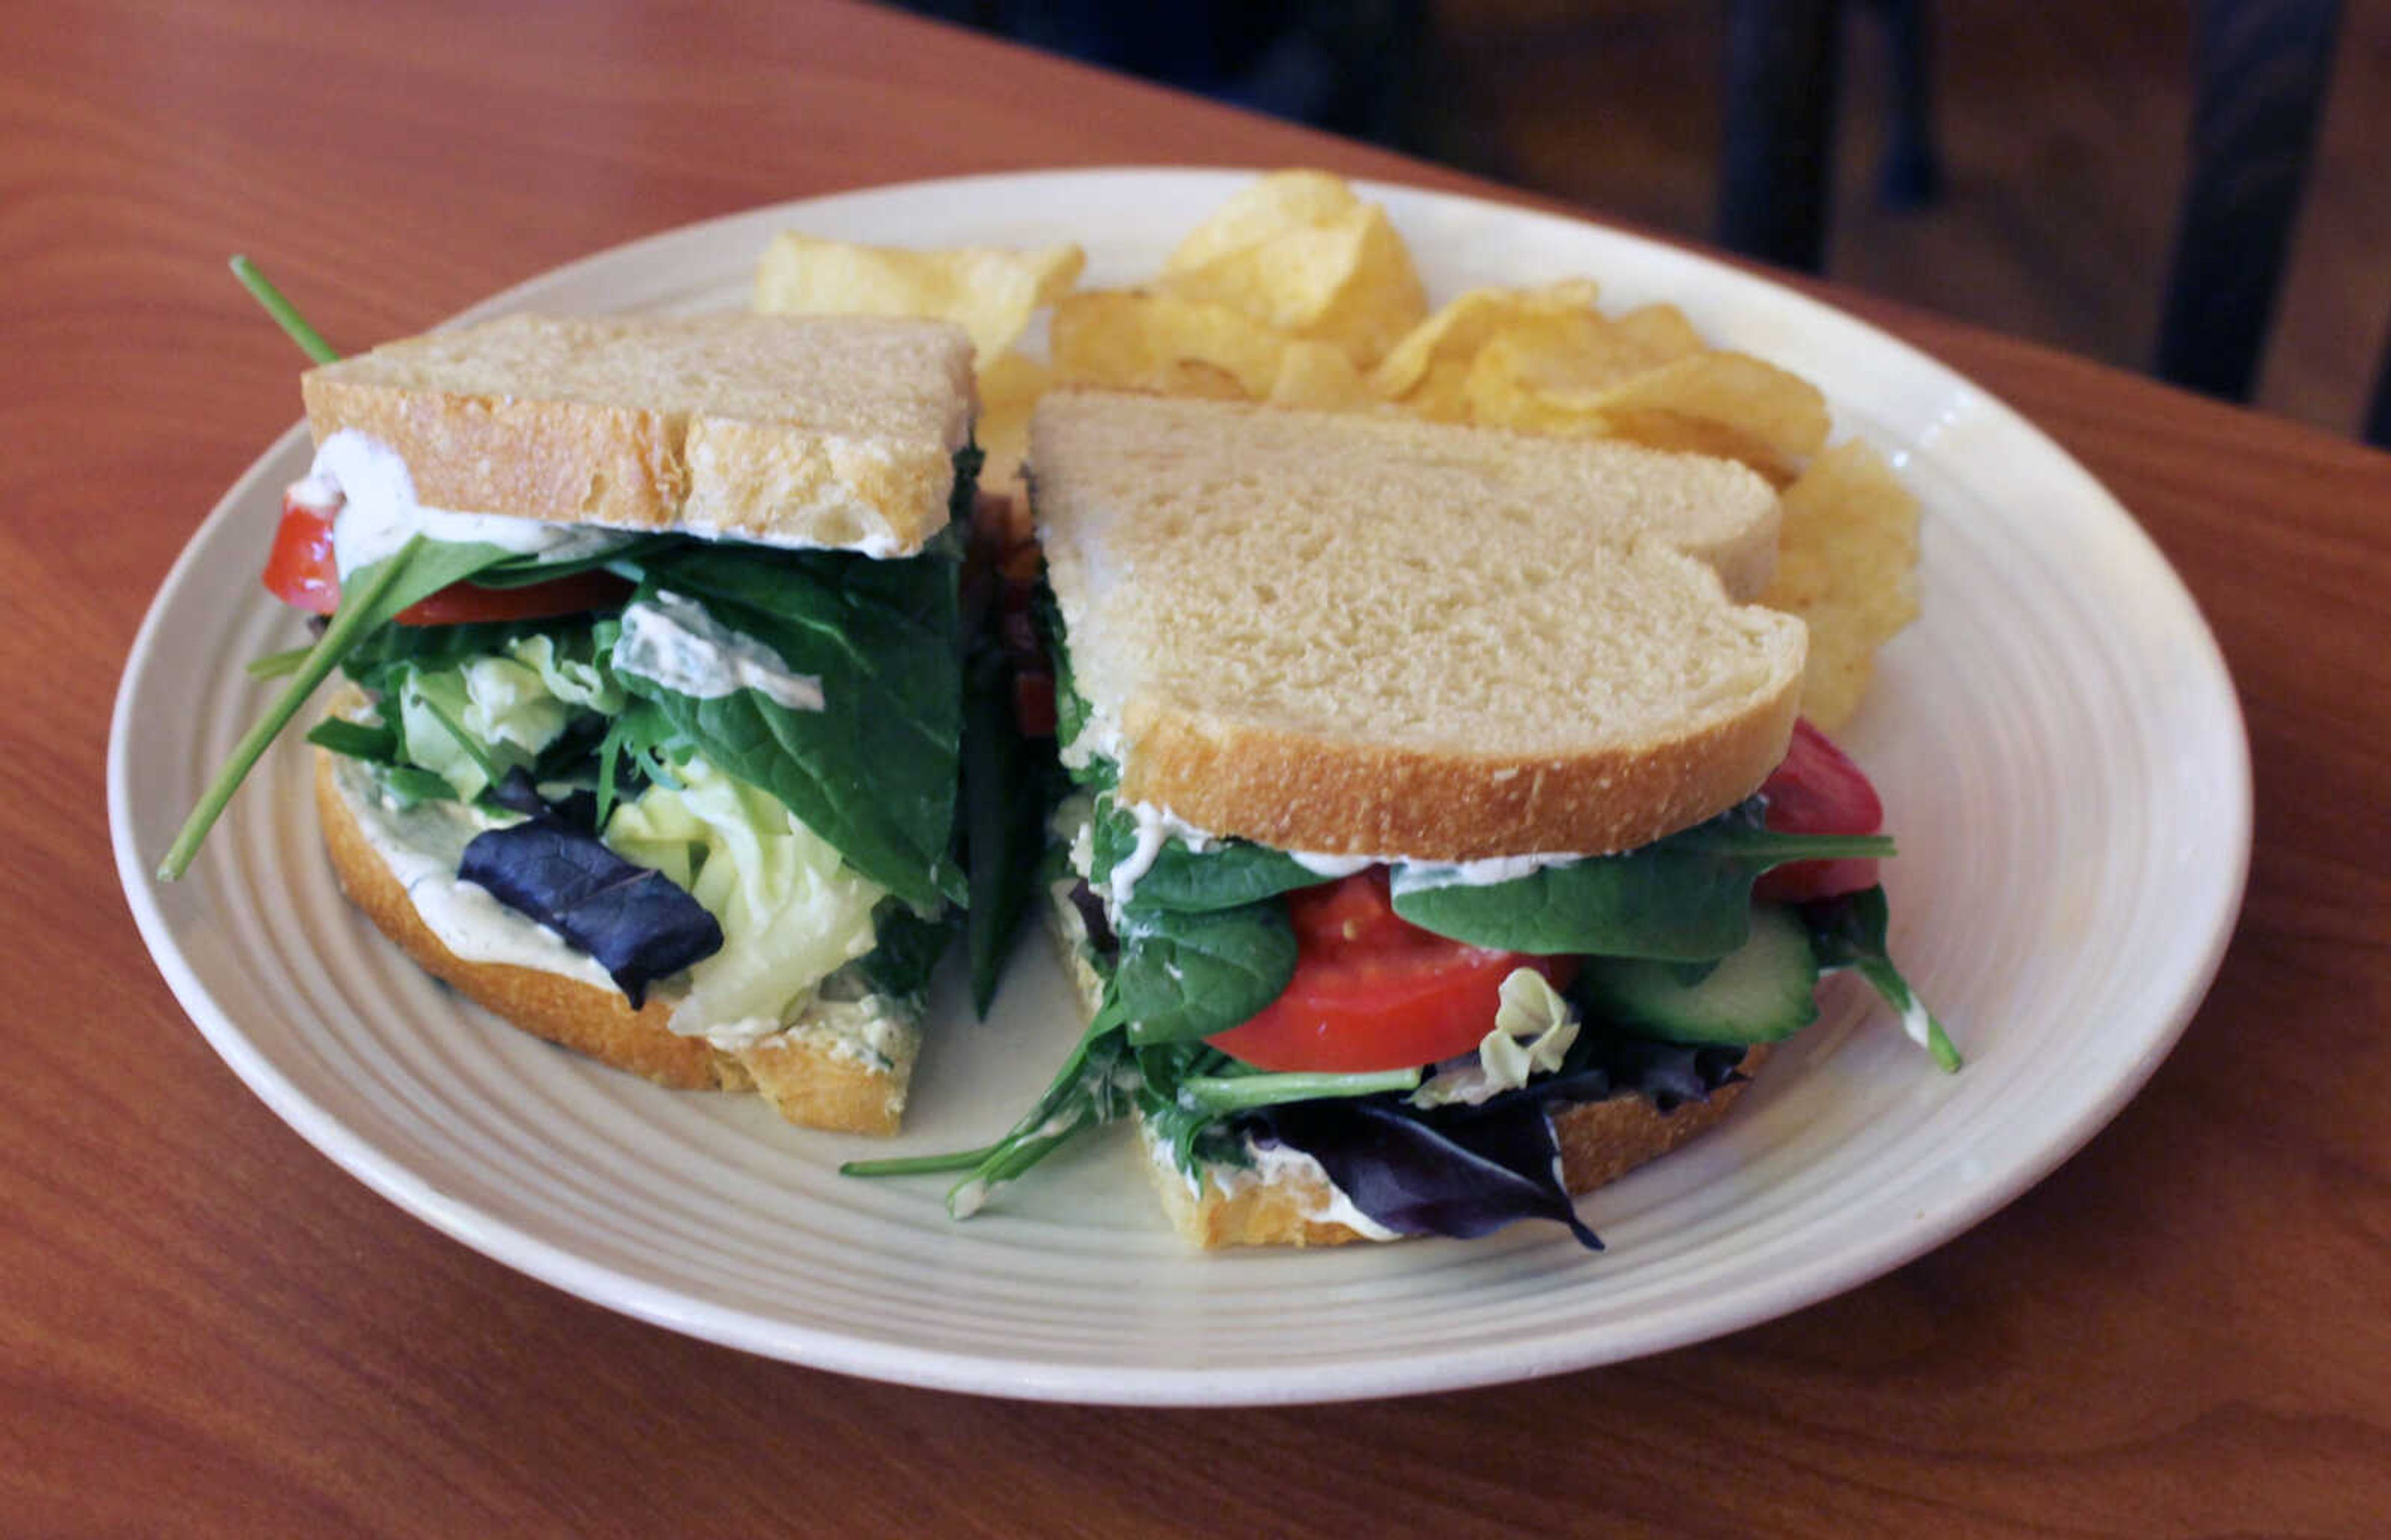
<point>525,1251</point>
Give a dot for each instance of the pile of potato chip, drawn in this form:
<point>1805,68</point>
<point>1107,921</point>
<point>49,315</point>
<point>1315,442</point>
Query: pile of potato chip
<point>1299,293</point>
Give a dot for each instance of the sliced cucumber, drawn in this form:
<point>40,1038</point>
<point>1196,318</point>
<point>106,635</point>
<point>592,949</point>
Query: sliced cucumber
<point>1761,992</point>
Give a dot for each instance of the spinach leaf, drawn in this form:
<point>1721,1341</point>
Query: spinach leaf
<point>1687,898</point>
<point>1848,931</point>
<point>1008,784</point>
<point>1229,875</point>
<point>1185,976</point>
<point>874,772</point>
<point>906,949</point>
<point>520,572</point>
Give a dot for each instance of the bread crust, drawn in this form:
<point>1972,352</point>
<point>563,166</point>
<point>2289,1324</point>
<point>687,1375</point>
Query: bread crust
<point>807,1081</point>
<point>1280,624</point>
<point>1295,792</point>
<point>874,473</point>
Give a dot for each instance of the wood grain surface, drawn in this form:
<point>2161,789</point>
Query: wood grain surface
<point>207,1328</point>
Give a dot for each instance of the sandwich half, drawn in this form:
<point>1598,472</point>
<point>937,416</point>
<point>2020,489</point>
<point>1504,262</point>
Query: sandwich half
<point>651,730</point>
<point>1415,811</point>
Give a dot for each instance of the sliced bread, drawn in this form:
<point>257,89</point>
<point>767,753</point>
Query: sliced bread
<point>831,431</point>
<point>1373,635</point>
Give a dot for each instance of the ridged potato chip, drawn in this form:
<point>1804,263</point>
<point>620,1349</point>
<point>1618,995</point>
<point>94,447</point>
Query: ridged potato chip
<point>1758,399</point>
<point>1434,358</point>
<point>1846,563</point>
<point>1130,339</point>
<point>1008,388</point>
<point>1303,253</point>
<point>1320,376</point>
<point>990,293</point>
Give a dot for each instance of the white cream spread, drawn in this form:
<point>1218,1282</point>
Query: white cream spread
<point>422,845</point>
<point>672,641</point>
<point>1157,826</point>
<point>1274,1164</point>
<point>378,513</point>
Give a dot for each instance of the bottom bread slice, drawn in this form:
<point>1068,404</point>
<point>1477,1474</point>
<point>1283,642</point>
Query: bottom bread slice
<point>1292,1202</point>
<point>806,1077</point>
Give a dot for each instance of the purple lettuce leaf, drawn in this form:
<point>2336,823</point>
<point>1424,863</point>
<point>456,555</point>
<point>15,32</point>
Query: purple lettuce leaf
<point>549,868</point>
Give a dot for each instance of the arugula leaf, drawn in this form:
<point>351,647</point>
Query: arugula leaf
<point>377,591</point>
<point>1183,976</point>
<point>1687,898</point>
<point>1229,875</point>
<point>1848,931</point>
<point>874,772</point>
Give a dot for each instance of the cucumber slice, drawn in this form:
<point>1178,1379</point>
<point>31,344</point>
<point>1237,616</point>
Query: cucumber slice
<point>1762,990</point>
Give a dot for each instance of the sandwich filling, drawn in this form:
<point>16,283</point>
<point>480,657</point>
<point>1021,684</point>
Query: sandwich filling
<point>718,772</point>
<point>1409,1029</point>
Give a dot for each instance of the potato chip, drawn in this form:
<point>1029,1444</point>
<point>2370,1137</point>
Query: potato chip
<point>1451,339</point>
<point>1846,563</point>
<point>1320,376</point>
<point>990,293</point>
<point>1301,252</point>
<point>1130,339</point>
<point>1759,401</point>
<point>1008,387</point>
<point>1262,210</point>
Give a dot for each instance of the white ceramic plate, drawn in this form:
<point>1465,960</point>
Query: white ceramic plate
<point>2057,741</point>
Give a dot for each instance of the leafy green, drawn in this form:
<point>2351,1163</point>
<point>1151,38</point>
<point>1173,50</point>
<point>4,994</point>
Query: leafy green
<point>1848,931</point>
<point>906,949</point>
<point>285,313</point>
<point>376,592</point>
<point>1226,875</point>
<point>1190,975</point>
<point>1687,898</point>
<point>1008,782</point>
<point>874,772</point>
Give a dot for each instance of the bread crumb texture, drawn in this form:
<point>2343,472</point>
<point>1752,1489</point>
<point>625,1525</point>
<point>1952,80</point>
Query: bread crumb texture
<point>1375,636</point>
<point>836,431</point>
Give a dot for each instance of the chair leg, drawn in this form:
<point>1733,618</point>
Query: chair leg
<point>1911,174</point>
<point>2378,416</point>
<point>2261,69</point>
<point>1776,180</point>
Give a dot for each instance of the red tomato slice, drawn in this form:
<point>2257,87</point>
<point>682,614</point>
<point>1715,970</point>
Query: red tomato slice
<point>301,571</point>
<point>461,603</point>
<point>1372,991</point>
<point>1818,790</point>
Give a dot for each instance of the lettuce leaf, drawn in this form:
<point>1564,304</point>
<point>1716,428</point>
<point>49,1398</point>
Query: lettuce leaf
<point>791,911</point>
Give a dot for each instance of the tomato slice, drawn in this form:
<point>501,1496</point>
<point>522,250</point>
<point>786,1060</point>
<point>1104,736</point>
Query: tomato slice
<point>461,603</point>
<point>1372,991</point>
<point>301,570</point>
<point>1818,790</point>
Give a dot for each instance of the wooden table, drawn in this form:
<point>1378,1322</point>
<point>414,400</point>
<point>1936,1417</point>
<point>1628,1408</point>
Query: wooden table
<point>205,1327</point>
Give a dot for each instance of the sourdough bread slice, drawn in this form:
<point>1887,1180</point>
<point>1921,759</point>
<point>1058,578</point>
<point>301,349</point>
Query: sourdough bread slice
<point>832,432</point>
<point>1352,635</point>
<point>810,1075</point>
<point>1294,1203</point>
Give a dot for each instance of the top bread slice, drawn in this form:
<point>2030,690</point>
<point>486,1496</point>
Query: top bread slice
<point>1356,634</point>
<point>799,430</point>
